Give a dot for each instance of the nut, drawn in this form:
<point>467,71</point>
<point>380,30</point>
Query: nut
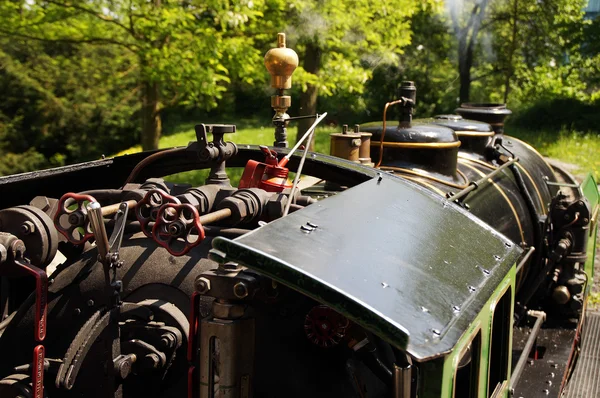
<point>202,285</point>
<point>168,340</point>
<point>240,290</point>
<point>27,228</point>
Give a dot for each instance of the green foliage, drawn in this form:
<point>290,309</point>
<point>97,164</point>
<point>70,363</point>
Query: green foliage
<point>74,74</point>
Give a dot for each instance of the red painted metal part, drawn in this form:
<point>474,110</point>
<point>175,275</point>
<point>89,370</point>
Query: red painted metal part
<point>68,200</point>
<point>146,211</point>
<point>174,226</point>
<point>37,374</point>
<point>194,319</point>
<point>270,175</point>
<point>41,294</point>
<point>324,327</point>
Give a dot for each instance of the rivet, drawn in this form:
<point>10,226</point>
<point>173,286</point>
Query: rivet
<point>306,228</point>
<point>436,332</point>
<point>312,225</point>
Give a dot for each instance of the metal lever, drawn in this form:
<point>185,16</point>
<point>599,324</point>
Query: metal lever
<point>108,250</point>
<point>116,238</point>
<point>97,225</point>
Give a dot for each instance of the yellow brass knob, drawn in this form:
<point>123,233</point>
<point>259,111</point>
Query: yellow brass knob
<point>281,63</point>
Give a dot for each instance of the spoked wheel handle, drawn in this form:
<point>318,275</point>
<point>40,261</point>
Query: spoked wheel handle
<point>178,228</point>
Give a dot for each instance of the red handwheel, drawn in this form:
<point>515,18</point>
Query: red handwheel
<point>177,228</point>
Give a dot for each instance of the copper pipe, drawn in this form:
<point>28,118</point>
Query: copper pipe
<point>112,209</point>
<point>215,216</point>
<point>400,101</point>
<point>157,155</point>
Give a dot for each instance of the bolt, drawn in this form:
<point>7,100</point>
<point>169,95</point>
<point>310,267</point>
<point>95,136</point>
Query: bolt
<point>240,290</point>
<point>77,312</point>
<point>153,360</point>
<point>27,228</point>
<point>168,340</point>
<point>123,366</point>
<point>90,303</point>
<point>567,217</point>
<point>202,285</point>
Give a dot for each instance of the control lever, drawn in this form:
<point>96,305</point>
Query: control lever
<point>16,264</point>
<point>108,250</point>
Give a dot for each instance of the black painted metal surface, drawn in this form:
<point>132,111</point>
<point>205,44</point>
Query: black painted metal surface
<point>111,173</point>
<point>400,261</point>
<point>543,377</point>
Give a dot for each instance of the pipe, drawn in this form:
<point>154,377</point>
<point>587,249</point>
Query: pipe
<point>525,258</point>
<point>402,381</point>
<point>540,318</point>
<point>476,184</point>
<point>112,209</point>
<point>215,216</point>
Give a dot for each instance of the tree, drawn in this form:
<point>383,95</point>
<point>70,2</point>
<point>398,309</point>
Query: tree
<point>466,25</point>
<point>340,43</point>
<point>537,46</point>
<point>180,49</point>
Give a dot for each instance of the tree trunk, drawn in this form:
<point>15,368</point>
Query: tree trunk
<point>308,99</point>
<point>151,123</point>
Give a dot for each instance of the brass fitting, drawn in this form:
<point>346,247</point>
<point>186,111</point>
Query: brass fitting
<point>346,145</point>
<point>281,62</point>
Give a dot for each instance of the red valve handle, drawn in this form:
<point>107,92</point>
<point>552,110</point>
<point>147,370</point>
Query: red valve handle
<point>177,228</point>
<point>78,230</point>
<point>146,210</point>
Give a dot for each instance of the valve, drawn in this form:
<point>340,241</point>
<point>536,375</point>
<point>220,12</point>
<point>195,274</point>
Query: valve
<point>146,210</point>
<point>71,218</point>
<point>270,175</point>
<point>324,327</point>
<point>178,228</point>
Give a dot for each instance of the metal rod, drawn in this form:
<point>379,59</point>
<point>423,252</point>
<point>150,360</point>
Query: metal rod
<point>540,318</point>
<point>561,184</point>
<point>303,117</point>
<point>287,157</point>
<point>112,209</point>
<point>402,381</point>
<point>474,185</point>
<point>97,224</point>
<point>215,216</point>
<point>297,177</point>
<point>525,259</point>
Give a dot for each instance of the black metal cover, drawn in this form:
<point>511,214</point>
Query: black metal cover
<point>393,257</point>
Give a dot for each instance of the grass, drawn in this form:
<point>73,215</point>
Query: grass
<point>579,149</point>
<point>253,135</point>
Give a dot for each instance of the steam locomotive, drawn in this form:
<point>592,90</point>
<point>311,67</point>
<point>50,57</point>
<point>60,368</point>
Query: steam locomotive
<point>431,258</point>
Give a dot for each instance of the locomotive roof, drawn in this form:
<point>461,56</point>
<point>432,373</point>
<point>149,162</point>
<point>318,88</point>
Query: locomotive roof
<point>388,254</point>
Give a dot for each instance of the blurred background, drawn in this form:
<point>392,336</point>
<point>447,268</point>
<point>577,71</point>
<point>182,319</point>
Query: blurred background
<point>84,78</point>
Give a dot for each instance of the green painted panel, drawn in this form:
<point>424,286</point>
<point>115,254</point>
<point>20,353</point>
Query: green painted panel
<point>589,188</point>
